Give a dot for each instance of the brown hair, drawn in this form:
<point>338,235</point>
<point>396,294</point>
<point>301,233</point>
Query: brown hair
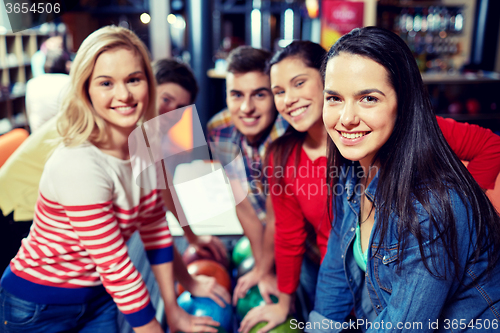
<point>174,71</point>
<point>244,59</point>
<point>55,62</point>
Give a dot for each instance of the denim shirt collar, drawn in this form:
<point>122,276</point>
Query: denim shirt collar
<point>352,187</point>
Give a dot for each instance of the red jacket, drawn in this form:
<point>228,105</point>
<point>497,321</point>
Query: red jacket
<point>303,196</point>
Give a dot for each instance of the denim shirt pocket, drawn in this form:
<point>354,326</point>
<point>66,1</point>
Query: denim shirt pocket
<point>384,265</point>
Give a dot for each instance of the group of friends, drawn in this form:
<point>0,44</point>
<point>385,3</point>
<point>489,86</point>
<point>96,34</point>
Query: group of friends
<point>357,194</point>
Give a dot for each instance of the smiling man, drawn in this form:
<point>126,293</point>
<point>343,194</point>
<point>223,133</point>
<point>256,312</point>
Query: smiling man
<point>250,103</point>
<point>251,123</point>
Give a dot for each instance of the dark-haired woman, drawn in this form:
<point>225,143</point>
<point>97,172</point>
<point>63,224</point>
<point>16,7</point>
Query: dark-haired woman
<point>414,237</point>
<point>297,169</point>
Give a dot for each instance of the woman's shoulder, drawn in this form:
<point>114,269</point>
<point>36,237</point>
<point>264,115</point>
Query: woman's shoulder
<point>438,208</point>
<point>436,198</point>
<point>79,157</point>
<point>281,168</point>
<point>77,175</point>
<point>84,163</point>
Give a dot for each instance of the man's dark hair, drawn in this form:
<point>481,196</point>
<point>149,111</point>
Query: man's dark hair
<point>175,71</point>
<point>55,62</point>
<point>244,59</point>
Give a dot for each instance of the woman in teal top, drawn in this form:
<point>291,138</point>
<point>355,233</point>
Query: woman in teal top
<point>430,234</point>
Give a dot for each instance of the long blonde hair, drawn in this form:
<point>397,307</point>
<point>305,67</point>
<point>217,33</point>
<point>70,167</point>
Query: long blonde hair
<point>79,121</point>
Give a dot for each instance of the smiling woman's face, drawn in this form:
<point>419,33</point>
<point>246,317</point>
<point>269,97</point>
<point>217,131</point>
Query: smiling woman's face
<point>298,92</point>
<point>118,88</point>
<point>360,106</point>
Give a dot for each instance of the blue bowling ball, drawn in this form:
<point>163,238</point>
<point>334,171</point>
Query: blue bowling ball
<point>204,306</point>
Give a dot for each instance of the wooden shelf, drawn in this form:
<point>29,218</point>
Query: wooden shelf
<point>470,117</point>
<point>19,95</point>
<point>417,4</point>
<point>468,78</point>
<point>9,66</point>
<point>19,46</point>
<point>12,97</point>
<point>213,74</point>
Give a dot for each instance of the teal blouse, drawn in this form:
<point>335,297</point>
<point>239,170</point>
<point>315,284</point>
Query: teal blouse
<point>359,256</point>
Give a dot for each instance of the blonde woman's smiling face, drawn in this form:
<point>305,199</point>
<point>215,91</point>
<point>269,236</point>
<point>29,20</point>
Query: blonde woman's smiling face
<point>118,88</point>
<point>360,106</point>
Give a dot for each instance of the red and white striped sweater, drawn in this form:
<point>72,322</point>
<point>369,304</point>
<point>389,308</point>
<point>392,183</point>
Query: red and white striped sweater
<point>88,207</point>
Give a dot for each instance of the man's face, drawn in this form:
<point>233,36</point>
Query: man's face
<point>250,102</point>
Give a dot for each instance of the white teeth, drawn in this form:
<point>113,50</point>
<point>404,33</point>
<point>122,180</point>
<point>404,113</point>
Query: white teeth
<point>248,119</point>
<point>123,108</point>
<point>352,135</point>
<point>298,111</point>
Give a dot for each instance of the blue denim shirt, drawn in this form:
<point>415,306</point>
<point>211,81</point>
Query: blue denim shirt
<point>409,300</point>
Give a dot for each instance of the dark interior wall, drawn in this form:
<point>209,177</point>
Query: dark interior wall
<point>485,35</point>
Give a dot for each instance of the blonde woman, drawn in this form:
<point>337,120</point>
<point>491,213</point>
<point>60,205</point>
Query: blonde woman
<point>72,272</point>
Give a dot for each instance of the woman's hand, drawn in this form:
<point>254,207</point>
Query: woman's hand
<point>207,286</point>
<point>244,283</point>
<point>180,320</point>
<point>208,246</point>
<point>268,285</point>
<point>273,314</point>
<point>266,282</point>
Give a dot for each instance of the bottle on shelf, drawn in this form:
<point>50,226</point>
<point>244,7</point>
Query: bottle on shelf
<point>431,32</point>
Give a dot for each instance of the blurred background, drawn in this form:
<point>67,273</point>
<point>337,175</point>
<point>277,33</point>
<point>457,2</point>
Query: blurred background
<point>455,43</point>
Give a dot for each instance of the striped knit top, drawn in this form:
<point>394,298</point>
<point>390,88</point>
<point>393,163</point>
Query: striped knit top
<point>88,207</point>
